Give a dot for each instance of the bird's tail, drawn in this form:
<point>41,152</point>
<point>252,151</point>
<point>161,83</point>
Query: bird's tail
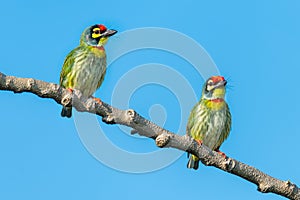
<point>193,162</point>
<point>66,112</point>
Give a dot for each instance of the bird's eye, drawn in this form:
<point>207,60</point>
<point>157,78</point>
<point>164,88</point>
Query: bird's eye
<point>97,32</point>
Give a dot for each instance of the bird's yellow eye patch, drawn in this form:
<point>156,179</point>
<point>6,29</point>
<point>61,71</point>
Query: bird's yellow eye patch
<point>96,33</point>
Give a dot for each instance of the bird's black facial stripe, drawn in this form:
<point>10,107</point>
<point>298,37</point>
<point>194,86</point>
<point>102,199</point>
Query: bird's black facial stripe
<point>210,82</point>
<point>93,27</point>
<point>94,35</point>
<point>97,30</point>
<point>210,85</point>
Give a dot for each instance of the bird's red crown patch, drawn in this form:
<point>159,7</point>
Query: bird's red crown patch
<point>217,78</point>
<point>102,28</point>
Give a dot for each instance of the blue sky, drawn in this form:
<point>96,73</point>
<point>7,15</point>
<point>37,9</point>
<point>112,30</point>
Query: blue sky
<point>254,44</point>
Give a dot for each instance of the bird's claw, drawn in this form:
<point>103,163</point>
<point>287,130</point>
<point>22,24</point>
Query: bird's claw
<point>221,153</point>
<point>199,142</point>
<point>98,100</point>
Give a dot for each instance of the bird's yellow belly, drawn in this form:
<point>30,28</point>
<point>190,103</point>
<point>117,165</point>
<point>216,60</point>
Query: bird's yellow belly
<point>212,130</point>
<point>88,75</point>
<point>216,129</point>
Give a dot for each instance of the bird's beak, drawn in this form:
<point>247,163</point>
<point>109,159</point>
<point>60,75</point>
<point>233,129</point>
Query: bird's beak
<point>109,33</point>
<point>221,84</point>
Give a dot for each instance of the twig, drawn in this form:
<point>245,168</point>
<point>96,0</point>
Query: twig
<point>144,127</point>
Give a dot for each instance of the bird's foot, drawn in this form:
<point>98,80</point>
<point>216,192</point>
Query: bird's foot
<point>199,142</point>
<point>221,153</point>
<point>98,100</point>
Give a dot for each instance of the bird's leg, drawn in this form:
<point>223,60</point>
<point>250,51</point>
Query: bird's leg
<point>221,153</point>
<point>199,142</point>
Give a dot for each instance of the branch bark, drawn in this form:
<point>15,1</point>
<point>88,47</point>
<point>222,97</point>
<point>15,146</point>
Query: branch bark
<point>144,127</point>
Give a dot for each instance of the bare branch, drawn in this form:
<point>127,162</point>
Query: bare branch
<point>142,126</point>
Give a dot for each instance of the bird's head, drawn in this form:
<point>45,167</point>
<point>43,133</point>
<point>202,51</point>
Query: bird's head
<point>214,88</point>
<point>96,35</point>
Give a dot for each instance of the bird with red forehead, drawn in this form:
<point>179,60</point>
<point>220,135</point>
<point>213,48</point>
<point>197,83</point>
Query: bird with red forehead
<point>85,66</point>
<point>209,122</point>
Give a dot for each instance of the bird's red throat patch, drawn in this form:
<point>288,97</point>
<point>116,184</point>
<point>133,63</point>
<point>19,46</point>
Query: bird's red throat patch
<point>101,48</point>
<point>218,100</point>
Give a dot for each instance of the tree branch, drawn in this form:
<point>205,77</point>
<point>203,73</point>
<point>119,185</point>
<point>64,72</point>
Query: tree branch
<point>144,127</point>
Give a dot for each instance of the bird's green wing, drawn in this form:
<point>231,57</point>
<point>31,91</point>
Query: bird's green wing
<point>197,123</point>
<point>191,121</point>
<point>68,65</point>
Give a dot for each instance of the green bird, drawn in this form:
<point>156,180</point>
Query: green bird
<point>85,66</point>
<point>210,120</point>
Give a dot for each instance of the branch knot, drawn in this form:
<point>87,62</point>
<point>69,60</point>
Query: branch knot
<point>66,100</point>
<point>30,83</point>
<point>229,164</point>
<point>131,115</point>
<point>162,140</point>
<point>8,81</point>
<point>264,187</point>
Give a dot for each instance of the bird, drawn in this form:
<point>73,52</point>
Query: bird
<point>84,67</point>
<point>209,122</point>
